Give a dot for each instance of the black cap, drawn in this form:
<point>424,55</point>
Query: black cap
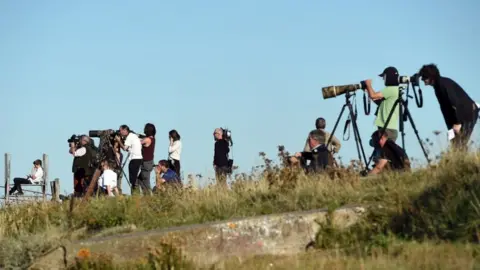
<point>389,71</point>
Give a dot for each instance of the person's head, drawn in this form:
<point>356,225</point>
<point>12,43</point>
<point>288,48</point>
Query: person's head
<point>379,138</point>
<point>124,130</point>
<point>37,163</point>
<point>84,140</point>
<point>218,134</point>
<point>150,130</point>
<point>106,165</point>
<point>429,74</point>
<point>390,76</point>
<point>320,123</point>
<point>315,138</point>
<point>162,165</point>
<point>174,135</point>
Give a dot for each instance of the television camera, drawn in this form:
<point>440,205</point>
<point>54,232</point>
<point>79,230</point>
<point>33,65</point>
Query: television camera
<point>74,139</point>
<point>227,135</point>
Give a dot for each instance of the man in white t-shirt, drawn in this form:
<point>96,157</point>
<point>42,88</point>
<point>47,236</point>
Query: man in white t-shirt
<point>36,177</point>
<point>107,182</point>
<point>133,146</point>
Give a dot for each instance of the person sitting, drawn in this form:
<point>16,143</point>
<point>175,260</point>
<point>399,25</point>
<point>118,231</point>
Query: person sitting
<point>165,175</point>
<point>35,177</point>
<point>390,156</point>
<point>334,145</point>
<point>318,154</point>
<point>107,182</point>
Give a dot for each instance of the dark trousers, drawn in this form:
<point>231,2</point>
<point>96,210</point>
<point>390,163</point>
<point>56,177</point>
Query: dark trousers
<point>221,175</point>
<point>133,171</point>
<point>144,178</point>
<point>17,185</point>
<point>81,181</point>
<point>176,167</point>
<point>460,141</point>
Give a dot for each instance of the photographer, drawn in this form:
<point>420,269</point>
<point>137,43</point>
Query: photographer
<point>82,167</point>
<point>174,150</point>
<point>318,154</point>
<point>220,158</point>
<point>133,146</point>
<point>333,147</point>
<point>386,97</point>
<point>148,151</point>
<point>459,111</point>
<point>390,155</point>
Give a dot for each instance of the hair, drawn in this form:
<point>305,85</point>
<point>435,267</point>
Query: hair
<point>38,162</point>
<point>164,163</point>
<point>125,127</point>
<point>174,134</point>
<point>317,135</point>
<point>150,130</point>
<point>391,80</point>
<point>320,123</point>
<point>377,134</point>
<point>429,71</point>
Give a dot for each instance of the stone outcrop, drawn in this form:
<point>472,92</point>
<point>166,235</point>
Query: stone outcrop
<point>208,243</point>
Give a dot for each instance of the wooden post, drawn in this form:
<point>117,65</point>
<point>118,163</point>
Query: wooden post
<point>55,188</point>
<point>45,176</point>
<point>7,177</point>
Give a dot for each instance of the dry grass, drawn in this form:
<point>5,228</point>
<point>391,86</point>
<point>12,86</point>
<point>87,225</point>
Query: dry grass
<point>435,204</point>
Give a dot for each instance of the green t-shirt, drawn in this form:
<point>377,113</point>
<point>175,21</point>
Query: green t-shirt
<point>390,93</point>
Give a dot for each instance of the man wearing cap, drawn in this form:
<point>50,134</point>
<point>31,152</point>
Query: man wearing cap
<point>35,177</point>
<point>459,110</point>
<point>386,97</point>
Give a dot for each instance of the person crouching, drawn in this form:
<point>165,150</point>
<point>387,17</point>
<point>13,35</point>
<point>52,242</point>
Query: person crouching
<point>107,182</point>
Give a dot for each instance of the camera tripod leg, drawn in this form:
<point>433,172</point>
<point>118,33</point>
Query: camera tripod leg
<point>358,139</point>
<point>410,119</point>
<point>336,124</point>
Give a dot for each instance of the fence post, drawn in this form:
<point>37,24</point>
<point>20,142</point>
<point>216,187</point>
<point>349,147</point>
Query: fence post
<point>7,177</point>
<point>45,176</point>
<point>55,187</point>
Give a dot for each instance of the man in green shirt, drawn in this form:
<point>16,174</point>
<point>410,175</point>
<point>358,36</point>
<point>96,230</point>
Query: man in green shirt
<point>386,98</point>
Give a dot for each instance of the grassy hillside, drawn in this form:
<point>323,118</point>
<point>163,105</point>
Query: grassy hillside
<point>427,219</point>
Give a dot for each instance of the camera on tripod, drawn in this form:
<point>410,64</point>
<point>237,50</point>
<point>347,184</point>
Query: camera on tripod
<point>333,91</point>
<point>74,139</point>
<point>414,80</point>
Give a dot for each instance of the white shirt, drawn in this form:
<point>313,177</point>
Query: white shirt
<point>108,178</point>
<point>134,146</point>
<point>175,150</point>
<point>38,173</point>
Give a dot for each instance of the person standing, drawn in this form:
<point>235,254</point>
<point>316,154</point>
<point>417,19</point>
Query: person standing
<point>174,151</point>
<point>134,147</point>
<point>148,150</point>
<point>459,111</point>
<point>220,157</point>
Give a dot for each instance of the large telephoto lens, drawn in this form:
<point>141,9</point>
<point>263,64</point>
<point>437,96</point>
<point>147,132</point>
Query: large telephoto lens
<point>333,91</point>
<point>94,133</point>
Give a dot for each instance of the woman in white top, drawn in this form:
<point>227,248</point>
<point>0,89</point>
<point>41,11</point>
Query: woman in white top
<point>174,151</point>
<point>36,177</point>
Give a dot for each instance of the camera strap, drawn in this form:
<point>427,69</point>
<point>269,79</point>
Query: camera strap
<point>349,119</point>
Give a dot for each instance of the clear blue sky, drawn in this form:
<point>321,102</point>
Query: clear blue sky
<point>254,66</point>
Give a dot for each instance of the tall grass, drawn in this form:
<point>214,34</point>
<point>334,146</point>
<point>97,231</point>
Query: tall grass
<point>439,203</point>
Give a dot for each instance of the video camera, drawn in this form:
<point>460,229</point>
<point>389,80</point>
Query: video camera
<point>74,139</point>
<point>227,135</point>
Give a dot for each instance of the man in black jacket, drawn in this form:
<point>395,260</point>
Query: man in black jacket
<point>220,157</point>
<point>459,110</point>
<point>318,154</point>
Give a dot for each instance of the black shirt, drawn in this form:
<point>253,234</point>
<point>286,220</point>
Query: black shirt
<point>220,157</point>
<point>396,156</point>
<point>457,107</point>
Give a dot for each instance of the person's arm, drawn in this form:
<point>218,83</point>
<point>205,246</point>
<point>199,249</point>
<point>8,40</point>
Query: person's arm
<point>336,143</point>
<point>305,155</point>
<point>173,147</point>
<point>128,143</point>
<point>379,166</point>
<point>371,93</point>
<point>453,103</point>
<point>38,174</point>
<point>146,141</point>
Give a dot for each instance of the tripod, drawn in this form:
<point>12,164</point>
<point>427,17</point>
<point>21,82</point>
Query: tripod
<point>403,116</point>
<point>356,132</point>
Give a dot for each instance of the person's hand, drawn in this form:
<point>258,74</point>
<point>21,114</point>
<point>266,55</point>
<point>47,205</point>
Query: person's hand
<point>368,82</point>
<point>457,128</point>
<point>171,140</point>
<point>298,154</point>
